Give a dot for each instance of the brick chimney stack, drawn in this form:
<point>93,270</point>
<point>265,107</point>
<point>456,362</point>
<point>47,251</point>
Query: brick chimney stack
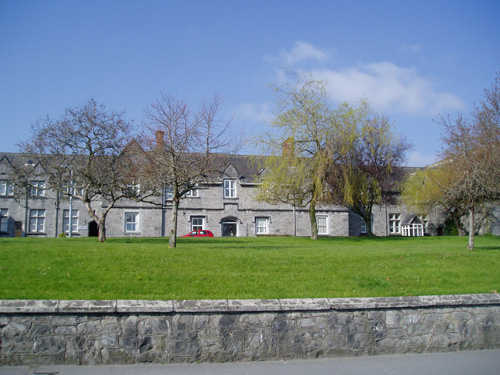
<point>289,147</point>
<point>160,134</point>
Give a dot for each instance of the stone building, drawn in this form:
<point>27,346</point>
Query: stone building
<point>227,206</point>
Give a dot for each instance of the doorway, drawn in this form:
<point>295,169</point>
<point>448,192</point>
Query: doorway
<point>18,229</point>
<point>229,229</point>
<point>93,229</point>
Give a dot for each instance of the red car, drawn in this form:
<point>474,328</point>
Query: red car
<point>199,233</point>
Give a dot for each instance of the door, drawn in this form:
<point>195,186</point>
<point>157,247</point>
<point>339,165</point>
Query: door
<point>229,229</point>
<point>18,229</point>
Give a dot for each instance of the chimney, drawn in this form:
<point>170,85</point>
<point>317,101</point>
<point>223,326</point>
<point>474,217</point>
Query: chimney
<point>288,147</point>
<point>159,138</point>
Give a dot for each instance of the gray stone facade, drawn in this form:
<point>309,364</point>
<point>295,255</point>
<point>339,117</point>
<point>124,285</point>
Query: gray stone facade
<point>125,332</point>
<point>236,215</point>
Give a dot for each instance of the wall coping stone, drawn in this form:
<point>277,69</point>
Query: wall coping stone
<point>240,305</point>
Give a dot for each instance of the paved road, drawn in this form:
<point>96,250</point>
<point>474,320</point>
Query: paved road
<point>485,362</point>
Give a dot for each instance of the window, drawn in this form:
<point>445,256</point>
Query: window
<point>322,223</point>
<point>71,189</point>
<point>74,221</point>
<point>261,225</point>
<point>133,190</point>
<point>4,217</point>
<point>363,226</point>
<point>197,223</point>
<point>425,222</point>
<point>394,223</point>
<point>6,188</point>
<point>131,221</point>
<point>169,193</point>
<point>37,221</point>
<point>37,188</point>
<point>229,189</point>
<point>192,193</point>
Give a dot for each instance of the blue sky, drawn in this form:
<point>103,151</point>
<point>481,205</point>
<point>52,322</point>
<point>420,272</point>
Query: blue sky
<point>413,60</point>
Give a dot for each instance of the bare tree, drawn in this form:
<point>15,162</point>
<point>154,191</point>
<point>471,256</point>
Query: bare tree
<point>469,172</point>
<point>370,165</point>
<point>81,154</point>
<point>471,152</point>
<point>184,149</point>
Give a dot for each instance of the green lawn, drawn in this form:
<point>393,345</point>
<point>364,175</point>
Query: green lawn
<point>63,268</point>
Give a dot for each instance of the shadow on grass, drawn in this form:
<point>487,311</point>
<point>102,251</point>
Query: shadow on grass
<point>486,248</point>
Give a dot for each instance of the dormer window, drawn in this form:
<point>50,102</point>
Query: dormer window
<point>37,189</point>
<point>229,189</point>
<point>192,193</point>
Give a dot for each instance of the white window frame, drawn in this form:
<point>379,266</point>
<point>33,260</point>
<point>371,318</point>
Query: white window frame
<point>192,193</point>
<point>196,224</point>
<point>229,188</point>
<point>394,223</point>
<point>261,225</point>
<point>425,222</point>
<point>134,189</point>
<point>364,227</point>
<point>74,221</point>
<point>169,194</point>
<point>37,221</point>
<point>131,222</point>
<point>6,188</point>
<point>325,226</point>
<point>38,188</point>
<point>4,219</point>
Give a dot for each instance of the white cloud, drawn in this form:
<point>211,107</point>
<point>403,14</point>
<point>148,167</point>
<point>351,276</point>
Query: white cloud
<point>254,112</point>
<point>389,88</point>
<point>303,51</point>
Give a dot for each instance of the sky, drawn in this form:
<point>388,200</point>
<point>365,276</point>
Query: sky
<point>413,60</point>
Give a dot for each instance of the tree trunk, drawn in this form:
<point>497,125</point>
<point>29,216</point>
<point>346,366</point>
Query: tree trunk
<point>101,221</point>
<point>470,245</point>
<point>368,221</point>
<point>172,241</point>
<point>312,218</point>
<point>102,229</point>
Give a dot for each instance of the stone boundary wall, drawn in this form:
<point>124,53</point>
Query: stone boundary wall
<point>127,332</point>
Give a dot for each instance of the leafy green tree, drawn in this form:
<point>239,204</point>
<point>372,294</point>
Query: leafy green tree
<point>425,190</point>
<point>298,149</point>
<point>319,153</point>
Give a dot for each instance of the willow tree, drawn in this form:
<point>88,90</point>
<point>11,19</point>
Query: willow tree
<point>298,148</point>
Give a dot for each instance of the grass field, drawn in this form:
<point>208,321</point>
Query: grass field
<point>82,268</point>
